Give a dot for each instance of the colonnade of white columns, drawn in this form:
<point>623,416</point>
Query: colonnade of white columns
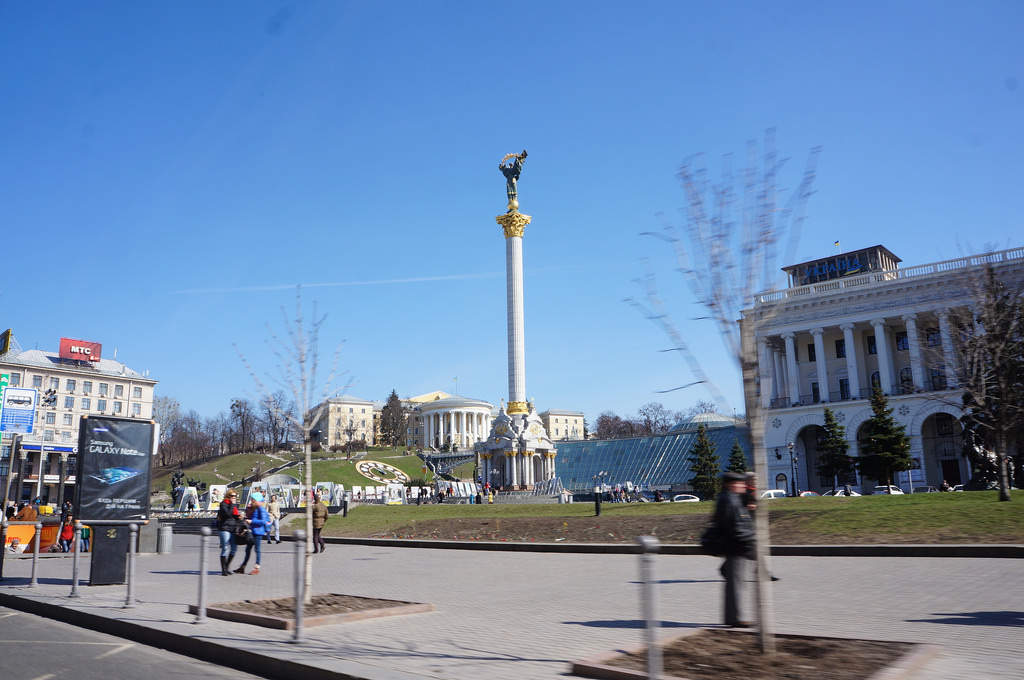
<point>518,468</point>
<point>779,367</point>
<point>465,427</point>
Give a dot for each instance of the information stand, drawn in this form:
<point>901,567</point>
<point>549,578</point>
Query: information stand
<point>109,555</point>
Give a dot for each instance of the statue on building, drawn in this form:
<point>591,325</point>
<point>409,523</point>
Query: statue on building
<point>511,171</point>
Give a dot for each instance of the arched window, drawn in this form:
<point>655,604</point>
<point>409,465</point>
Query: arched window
<point>781,481</point>
<point>876,380</point>
<point>907,380</point>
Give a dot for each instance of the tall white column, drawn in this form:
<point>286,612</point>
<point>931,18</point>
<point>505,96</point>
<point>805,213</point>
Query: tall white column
<point>948,358</point>
<point>821,363</point>
<point>914,343</point>
<point>793,374</point>
<point>514,465</point>
<point>882,348</point>
<point>516,337</point>
<point>778,375</point>
<point>852,369</point>
<point>762,372</point>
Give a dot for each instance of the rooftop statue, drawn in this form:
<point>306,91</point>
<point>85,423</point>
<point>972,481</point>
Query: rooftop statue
<point>511,171</point>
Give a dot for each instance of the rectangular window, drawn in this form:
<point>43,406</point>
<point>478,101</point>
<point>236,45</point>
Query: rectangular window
<point>4,468</point>
<point>37,381</point>
<point>86,404</point>
<point>54,383</point>
<point>118,390</point>
<point>872,347</point>
<point>69,385</point>
<point>136,393</point>
<point>51,418</point>
<point>86,387</point>
<point>810,353</point>
<point>933,337</point>
<point>117,407</point>
<point>815,394</point>
<point>15,379</point>
<point>840,349</point>
<point>939,378</point>
<point>103,389</point>
<point>351,410</point>
<point>69,402</point>
<point>65,436</point>
<point>136,409</point>
<point>844,388</point>
<point>362,410</point>
<point>48,436</point>
<point>67,418</point>
<point>902,341</point>
<point>101,404</point>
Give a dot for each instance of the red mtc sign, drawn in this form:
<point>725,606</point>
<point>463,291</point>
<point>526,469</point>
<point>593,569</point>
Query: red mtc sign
<point>79,350</point>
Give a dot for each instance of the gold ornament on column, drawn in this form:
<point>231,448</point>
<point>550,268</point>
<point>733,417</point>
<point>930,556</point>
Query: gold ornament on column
<point>517,407</point>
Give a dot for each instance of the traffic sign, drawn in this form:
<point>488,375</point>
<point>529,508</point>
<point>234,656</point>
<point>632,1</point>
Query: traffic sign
<point>19,409</point>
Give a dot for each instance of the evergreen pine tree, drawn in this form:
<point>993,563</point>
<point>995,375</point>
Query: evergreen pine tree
<point>885,448</point>
<point>705,480</point>
<point>833,459</point>
<point>394,421</point>
<point>737,459</point>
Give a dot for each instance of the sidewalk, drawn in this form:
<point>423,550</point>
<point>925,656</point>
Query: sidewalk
<point>506,616</point>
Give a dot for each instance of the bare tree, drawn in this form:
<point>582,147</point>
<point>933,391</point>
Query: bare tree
<point>275,425</point>
<point>724,269</point>
<point>297,372</point>
<point>656,418</point>
<point>166,412</point>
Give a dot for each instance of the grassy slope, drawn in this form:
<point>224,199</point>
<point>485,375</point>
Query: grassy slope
<point>922,518</point>
<point>233,467</point>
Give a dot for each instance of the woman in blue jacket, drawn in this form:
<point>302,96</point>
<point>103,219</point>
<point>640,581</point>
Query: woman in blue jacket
<point>258,519</point>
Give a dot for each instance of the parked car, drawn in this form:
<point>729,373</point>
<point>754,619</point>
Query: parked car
<point>809,494</point>
<point>925,489</point>
<point>685,498</point>
<point>840,492</point>
<point>773,493</point>
<point>884,490</point>
<point>958,487</point>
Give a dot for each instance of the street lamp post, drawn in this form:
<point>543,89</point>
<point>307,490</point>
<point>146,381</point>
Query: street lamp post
<point>792,464</point>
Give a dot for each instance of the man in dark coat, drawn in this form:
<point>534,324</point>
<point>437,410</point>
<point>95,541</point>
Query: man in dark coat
<point>736,528</point>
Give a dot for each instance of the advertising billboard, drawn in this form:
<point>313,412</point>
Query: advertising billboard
<point>79,350</point>
<point>114,457</point>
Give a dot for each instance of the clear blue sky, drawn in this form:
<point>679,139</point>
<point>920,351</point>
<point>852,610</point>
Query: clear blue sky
<point>171,170</point>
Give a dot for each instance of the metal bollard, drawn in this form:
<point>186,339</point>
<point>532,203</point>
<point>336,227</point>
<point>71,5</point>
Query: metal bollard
<point>74,560</point>
<point>35,555</point>
<point>201,607</point>
<point>648,546</point>
<point>3,539</point>
<point>129,598</point>
<point>300,570</point>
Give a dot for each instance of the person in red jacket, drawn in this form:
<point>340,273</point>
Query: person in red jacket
<point>67,534</point>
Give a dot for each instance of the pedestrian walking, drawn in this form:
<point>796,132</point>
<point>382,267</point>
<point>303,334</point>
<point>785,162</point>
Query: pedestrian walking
<point>67,534</point>
<point>736,533</point>
<point>274,510</point>
<point>86,534</point>
<point>319,519</point>
<point>257,518</point>
<point>228,518</point>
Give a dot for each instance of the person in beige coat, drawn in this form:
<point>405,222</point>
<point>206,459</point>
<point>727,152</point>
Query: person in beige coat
<point>319,519</point>
<point>274,510</point>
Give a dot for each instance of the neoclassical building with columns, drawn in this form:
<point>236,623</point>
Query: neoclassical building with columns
<point>439,419</point>
<point>853,321</point>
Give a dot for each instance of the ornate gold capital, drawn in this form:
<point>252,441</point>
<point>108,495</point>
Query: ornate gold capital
<point>513,224</point>
<point>485,456</point>
<point>516,407</point>
<point>529,453</point>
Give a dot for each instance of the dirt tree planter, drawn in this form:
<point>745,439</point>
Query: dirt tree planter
<point>723,654</point>
<point>325,610</point>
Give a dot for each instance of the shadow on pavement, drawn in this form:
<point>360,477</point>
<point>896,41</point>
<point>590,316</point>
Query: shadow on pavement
<point>635,623</point>
<point>1003,618</point>
<point>666,581</point>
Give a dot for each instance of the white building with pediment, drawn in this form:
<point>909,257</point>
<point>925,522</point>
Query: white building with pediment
<point>857,320</point>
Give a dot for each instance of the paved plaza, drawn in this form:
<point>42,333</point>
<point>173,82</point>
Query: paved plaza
<point>507,616</point>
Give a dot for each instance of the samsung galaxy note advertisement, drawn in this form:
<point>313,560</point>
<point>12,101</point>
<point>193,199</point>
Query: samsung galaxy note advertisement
<point>114,456</point>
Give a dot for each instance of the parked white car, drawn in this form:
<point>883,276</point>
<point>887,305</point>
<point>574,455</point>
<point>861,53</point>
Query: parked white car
<point>840,492</point>
<point>884,490</point>
<point>774,493</point>
<point>685,498</point>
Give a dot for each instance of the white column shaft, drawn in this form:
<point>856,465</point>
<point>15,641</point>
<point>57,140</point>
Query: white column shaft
<point>948,358</point>
<point>793,374</point>
<point>914,344</point>
<point>852,369</point>
<point>822,363</point>
<point>516,337</point>
<point>882,348</point>
<point>763,372</point>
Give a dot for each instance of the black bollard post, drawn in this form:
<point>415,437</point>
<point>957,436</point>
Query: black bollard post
<point>597,502</point>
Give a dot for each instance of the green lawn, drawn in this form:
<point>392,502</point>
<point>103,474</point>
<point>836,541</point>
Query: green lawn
<point>232,467</point>
<point>970,517</point>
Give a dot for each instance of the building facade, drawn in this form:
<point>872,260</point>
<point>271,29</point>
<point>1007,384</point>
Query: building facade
<point>563,425</point>
<point>80,387</point>
<point>438,419</point>
<point>861,322</point>
<point>347,420</point>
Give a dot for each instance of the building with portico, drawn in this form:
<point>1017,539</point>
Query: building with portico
<point>854,321</point>
<point>439,420</point>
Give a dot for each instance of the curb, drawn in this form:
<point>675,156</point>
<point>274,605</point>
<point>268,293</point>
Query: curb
<point>202,650</point>
<point>984,550</point>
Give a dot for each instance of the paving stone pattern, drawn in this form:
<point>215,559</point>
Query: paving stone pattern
<point>508,616</point>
